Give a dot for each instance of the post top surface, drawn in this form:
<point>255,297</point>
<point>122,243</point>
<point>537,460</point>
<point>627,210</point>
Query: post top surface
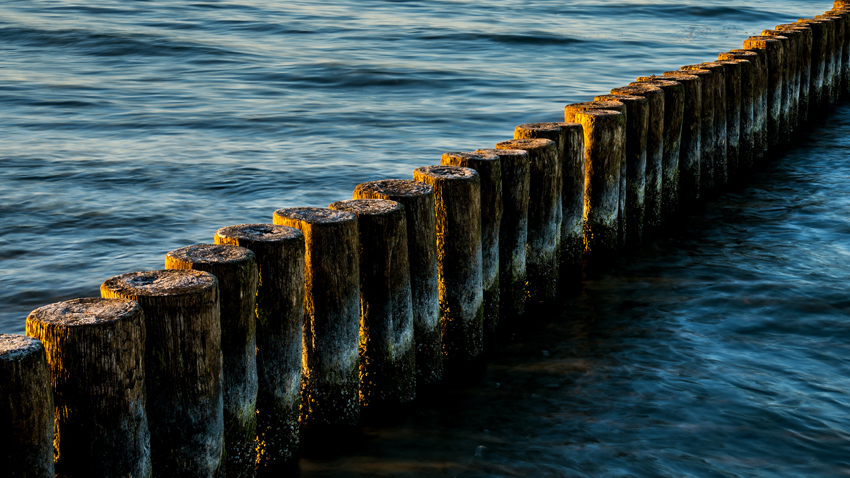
<point>16,347</point>
<point>88,311</point>
<point>470,156</point>
<point>441,171</point>
<point>526,144</point>
<point>314,215</point>
<point>551,127</point>
<point>168,282</point>
<point>211,254</point>
<point>367,207</point>
<point>637,90</point>
<point>748,53</point>
<point>504,153</point>
<point>655,81</point>
<point>599,113</point>
<point>596,104</point>
<point>397,187</point>
<point>621,98</point>
<point>680,76</point>
<point>260,232</point>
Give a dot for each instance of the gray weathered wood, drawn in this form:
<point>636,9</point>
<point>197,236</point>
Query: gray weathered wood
<point>818,75</point>
<point>721,160</point>
<point>690,150</point>
<point>26,409</point>
<point>844,85</point>
<point>835,45</point>
<point>775,68</point>
<point>182,367</point>
<point>733,118</point>
<point>708,143</point>
<point>788,62</point>
<point>804,59</point>
<point>791,94</point>
<point>747,94</point>
<point>760,109</point>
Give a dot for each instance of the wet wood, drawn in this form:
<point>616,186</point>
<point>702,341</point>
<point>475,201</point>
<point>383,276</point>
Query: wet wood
<point>790,94</point>
<point>775,79</point>
<point>26,410</point>
<point>747,95</point>
<point>182,367</point>
<point>690,150</point>
<point>818,75</point>
<point>733,93</point>
<point>760,109</point>
<point>721,160</point>
<point>835,45</point>
<point>804,60</point>
<point>844,84</point>
<point>419,209</point>
<point>713,146</point>
<point>236,270</point>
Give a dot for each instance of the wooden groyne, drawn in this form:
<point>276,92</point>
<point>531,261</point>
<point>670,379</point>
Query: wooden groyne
<point>287,336</point>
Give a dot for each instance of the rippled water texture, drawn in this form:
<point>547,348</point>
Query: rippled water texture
<point>132,128</point>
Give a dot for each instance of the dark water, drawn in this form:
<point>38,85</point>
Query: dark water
<point>132,128</point>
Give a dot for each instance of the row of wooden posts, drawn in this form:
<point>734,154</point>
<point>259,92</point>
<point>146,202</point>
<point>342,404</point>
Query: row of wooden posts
<point>220,364</point>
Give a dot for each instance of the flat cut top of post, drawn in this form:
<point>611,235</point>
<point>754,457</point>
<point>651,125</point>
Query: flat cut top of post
<point>17,347</point>
<point>505,153</point>
<point>792,26</point>
<point>397,187</point>
<point>827,16</point>
<point>787,34</point>
<point>260,232</point>
<point>810,20</point>
<point>211,254</point>
<point>656,81</point>
<point>696,70</point>
<point>447,172</point>
<point>367,207</point>
<point>738,55</point>
<point>593,105</point>
<point>527,144</point>
<point>680,76</point>
<point>622,98</point>
<point>162,283</point>
<point>471,156</point>
<point>315,215</point>
<point>549,127</point>
<point>637,90</point>
<point>81,312</point>
<point>735,61</point>
<point>600,113</point>
<point>763,40</point>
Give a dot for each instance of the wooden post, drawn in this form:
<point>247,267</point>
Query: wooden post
<point>720,138</point>
<point>708,141</point>
<point>760,109</point>
<point>603,144</point>
<point>570,112</point>
<point>419,210</point>
<point>732,70</point>
<point>279,253</point>
<point>835,45</point>
<point>457,191</point>
<point>96,357</point>
<point>653,173</point>
<point>791,85</point>
<point>829,67</point>
<point>513,232</point>
<point>804,59</point>
<point>775,78</point>
<point>690,150</point>
<point>26,410</point>
<point>236,270</point>
<point>674,110</point>
<point>571,145</point>
<point>387,348</point>
<point>818,77</point>
<point>544,217</point>
<point>182,367</point>
<point>844,87</point>
<point>748,98</point>
<point>330,383</point>
<point>489,170</point>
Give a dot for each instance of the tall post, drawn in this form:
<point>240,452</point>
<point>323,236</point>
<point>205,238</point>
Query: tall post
<point>708,141</point>
<point>732,69</point>
<point>721,160</point>
<point>804,66</point>
<point>844,87</point>
<point>760,109</point>
<point>775,69</point>
<point>819,69</point>
<point>748,97</point>
<point>690,150</point>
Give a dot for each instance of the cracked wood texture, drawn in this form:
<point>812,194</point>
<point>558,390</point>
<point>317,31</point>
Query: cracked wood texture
<point>788,61</point>
<point>732,71</point>
<point>513,232</point>
<point>748,94</point>
<point>844,85</point>
<point>26,409</point>
<point>835,43</point>
<point>330,387</point>
<point>791,87</point>
<point>760,109</point>
<point>236,270</point>
<point>419,209</point>
<point>182,367</point>
<point>817,77</point>
<point>277,316</point>
<point>775,68</point>
<point>457,195</point>
<point>708,142</point>
<point>690,149</point>
<point>804,59</point>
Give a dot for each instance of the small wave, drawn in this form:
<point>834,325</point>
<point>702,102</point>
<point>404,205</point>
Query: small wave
<point>531,38</point>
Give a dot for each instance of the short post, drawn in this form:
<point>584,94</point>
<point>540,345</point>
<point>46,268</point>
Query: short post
<point>489,170</point>
<point>804,60</point>
<point>760,109</point>
<point>26,412</point>
<point>457,191</point>
<point>819,69</point>
<point>748,98</point>
<point>513,231</point>
<point>653,173</point>
<point>544,217</point>
<point>236,270</point>
<point>279,306</point>
<point>603,144</point>
<point>571,149</point>
<point>674,110</point>
<point>775,69</point>
<point>570,112</point>
<point>690,150</point>
<point>733,118</point>
<point>96,357</point>
<point>182,367</point>
<point>387,348</point>
<point>707,131</point>
<point>330,381</point>
<point>418,201</point>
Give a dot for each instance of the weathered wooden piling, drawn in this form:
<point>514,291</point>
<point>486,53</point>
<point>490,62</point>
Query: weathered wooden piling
<point>489,171</point>
<point>829,68</point>
<point>674,110</point>
<point>26,410</point>
<point>720,139</point>
<point>182,367</point>
<point>733,93</point>
<point>748,94</point>
<point>775,79</point>
<point>387,348</point>
<point>603,142</point>
<point>513,231</point>
<point>653,173</point>
<point>236,270</point>
<point>760,109</point>
<point>804,66</point>
<point>544,217</point>
<point>457,192</point>
<point>819,64</point>
<point>569,116</point>
<point>690,150</point>
<point>708,141</point>
<point>835,45</point>
<point>844,86</point>
<point>279,305</point>
<point>330,380</point>
<point>418,201</point>
<point>572,194</point>
<point>96,357</point>
<point>791,80</point>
